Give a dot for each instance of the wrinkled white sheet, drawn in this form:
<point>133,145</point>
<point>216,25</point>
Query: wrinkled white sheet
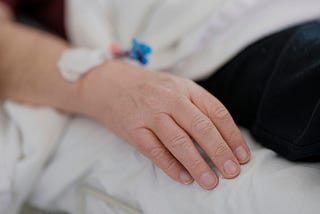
<point>190,38</point>
<point>89,155</point>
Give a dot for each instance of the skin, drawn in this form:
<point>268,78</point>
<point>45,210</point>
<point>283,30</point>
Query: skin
<point>161,115</point>
<point>5,13</point>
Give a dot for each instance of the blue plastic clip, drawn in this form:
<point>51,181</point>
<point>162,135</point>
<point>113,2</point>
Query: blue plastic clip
<point>140,51</point>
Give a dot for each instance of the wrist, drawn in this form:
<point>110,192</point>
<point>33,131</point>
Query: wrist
<point>76,67</point>
<point>94,88</point>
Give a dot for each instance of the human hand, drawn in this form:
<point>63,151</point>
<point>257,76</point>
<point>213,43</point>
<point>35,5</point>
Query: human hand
<point>161,114</point>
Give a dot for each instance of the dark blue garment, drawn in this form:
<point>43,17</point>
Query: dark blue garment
<point>273,89</point>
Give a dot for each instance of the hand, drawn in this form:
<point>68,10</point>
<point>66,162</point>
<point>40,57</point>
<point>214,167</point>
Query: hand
<point>161,114</point>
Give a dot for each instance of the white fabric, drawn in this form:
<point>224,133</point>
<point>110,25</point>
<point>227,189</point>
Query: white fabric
<point>28,138</point>
<point>49,157</point>
<point>190,38</point>
<point>89,155</point>
<point>75,62</point>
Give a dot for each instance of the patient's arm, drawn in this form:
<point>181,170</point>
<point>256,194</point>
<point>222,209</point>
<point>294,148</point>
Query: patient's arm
<point>28,71</point>
<point>156,112</point>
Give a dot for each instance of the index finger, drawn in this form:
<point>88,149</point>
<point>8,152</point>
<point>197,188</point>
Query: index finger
<point>204,132</point>
<point>223,121</point>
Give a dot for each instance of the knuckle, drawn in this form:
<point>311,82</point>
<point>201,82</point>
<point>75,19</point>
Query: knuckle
<point>221,150</point>
<point>170,165</point>
<point>178,140</point>
<point>221,113</point>
<point>179,99</point>
<point>158,118</point>
<point>156,153</point>
<point>202,125</point>
<point>233,137</point>
<point>194,164</point>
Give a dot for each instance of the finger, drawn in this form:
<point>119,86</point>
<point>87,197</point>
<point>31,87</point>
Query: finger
<point>150,146</point>
<point>222,119</point>
<point>201,128</point>
<point>177,141</point>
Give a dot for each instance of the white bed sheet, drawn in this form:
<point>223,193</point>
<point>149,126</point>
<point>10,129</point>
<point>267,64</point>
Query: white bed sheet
<point>96,158</point>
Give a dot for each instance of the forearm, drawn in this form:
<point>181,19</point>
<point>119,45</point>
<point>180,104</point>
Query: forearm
<point>28,71</point>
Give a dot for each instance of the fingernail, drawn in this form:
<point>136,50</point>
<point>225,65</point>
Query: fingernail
<point>185,177</point>
<point>241,154</point>
<point>230,167</point>
<point>208,180</point>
